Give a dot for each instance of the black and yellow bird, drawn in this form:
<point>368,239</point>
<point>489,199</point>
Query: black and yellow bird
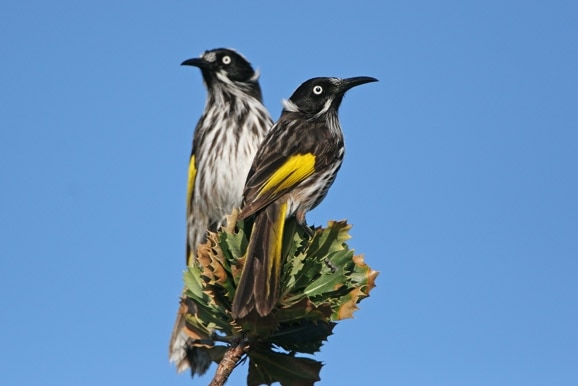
<point>291,174</point>
<point>225,141</point>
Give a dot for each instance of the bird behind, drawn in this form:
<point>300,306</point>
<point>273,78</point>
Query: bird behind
<point>225,141</point>
<point>290,175</point>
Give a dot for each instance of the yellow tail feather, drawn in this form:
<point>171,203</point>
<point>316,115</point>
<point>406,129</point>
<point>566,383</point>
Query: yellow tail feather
<point>258,287</point>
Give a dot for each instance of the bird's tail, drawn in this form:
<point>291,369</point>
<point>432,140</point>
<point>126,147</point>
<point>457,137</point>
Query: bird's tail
<point>258,287</point>
<point>181,350</point>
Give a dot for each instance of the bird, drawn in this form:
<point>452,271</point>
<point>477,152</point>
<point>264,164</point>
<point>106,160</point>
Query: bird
<point>291,174</point>
<point>225,140</point>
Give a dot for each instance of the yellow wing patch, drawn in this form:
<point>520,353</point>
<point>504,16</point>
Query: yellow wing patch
<point>191,181</point>
<point>294,170</point>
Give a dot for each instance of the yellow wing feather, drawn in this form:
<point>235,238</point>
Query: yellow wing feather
<point>191,181</point>
<point>297,168</point>
<point>190,186</point>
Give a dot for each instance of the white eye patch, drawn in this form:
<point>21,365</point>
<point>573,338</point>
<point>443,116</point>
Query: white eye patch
<point>209,56</point>
<point>226,59</point>
<point>317,90</point>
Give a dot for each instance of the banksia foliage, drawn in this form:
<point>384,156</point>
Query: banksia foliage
<point>322,281</point>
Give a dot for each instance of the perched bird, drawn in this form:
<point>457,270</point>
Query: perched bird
<point>291,174</point>
<point>225,141</point>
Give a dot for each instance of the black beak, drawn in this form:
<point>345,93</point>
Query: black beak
<point>197,62</point>
<point>348,83</point>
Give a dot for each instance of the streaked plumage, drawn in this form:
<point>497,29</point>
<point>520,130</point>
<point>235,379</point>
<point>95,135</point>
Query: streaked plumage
<point>225,141</point>
<point>291,174</point>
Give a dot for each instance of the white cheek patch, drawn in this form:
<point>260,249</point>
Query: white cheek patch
<point>290,106</point>
<point>222,76</point>
<point>255,76</point>
<point>325,108</point>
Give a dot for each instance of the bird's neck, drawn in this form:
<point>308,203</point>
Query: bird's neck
<point>332,122</point>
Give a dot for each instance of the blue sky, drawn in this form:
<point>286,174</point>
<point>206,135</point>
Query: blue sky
<point>460,178</point>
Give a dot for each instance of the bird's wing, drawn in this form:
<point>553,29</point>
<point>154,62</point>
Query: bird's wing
<point>192,174</point>
<point>191,178</point>
<point>285,159</point>
<point>191,181</point>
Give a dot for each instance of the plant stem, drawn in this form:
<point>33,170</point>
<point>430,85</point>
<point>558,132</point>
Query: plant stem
<point>230,359</point>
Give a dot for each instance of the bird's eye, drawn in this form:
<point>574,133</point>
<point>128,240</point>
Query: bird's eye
<point>226,59</point>
<point>317,90</point>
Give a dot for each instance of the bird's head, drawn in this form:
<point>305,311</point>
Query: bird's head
<point>224,65</point>
<point>317,96</point>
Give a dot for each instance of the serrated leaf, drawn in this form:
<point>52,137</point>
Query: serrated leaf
<point>329,239</point>
<point>305,336</point>
<point>235,245</point>
<point>331,281</point>
<point>210,258</point>
<point>363,274</point>
<point>294,265</point>
<point>267,366</point>
<point>348,304</point>
<point>303,309</point>
<point>215,272</point>
<point>207,319</point>
<point>321,281</point>
<point>293,242</point>
<point>258,327</point>
<point>193,281</point>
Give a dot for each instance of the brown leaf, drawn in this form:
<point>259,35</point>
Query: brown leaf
<point>371,275</point>
<point>349,306</point>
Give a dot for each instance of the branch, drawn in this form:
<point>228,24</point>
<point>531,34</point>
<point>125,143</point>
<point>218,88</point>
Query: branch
<point>230,359</point>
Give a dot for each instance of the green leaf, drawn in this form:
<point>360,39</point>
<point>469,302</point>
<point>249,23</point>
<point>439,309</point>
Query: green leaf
<point>209,319</point>
<point>329,239</point>
<point>233,245</point>
<point>330,281</point>
<point>293,243</point>
<point>193,281</point>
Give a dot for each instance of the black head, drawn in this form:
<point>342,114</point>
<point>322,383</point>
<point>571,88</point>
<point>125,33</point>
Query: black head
<point>318,95</point>
<point>221,64</point>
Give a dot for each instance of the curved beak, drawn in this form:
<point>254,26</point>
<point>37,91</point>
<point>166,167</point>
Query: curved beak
<point>196,62</point>
<point>348,83</point>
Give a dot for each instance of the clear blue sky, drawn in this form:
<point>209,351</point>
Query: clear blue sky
<point>460,178</point>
